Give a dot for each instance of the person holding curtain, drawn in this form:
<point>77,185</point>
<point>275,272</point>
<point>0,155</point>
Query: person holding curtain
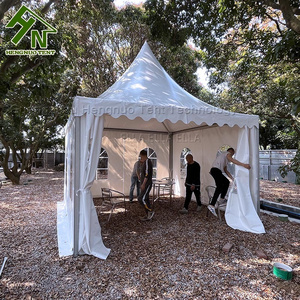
<point>222,183</point>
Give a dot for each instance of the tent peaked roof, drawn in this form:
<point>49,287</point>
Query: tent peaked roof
<point>147,82</point>
<point>146,92</point>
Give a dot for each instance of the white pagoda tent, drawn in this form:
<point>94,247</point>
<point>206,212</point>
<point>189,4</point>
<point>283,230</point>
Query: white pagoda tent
<point>147,108</point>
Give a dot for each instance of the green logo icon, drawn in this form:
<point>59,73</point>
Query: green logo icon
<point>26,25</point>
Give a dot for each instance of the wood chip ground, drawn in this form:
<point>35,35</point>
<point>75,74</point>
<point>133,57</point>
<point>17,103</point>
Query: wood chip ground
<point>172,257</point>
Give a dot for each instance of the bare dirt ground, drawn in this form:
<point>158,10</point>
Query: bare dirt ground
<point>173,257</point>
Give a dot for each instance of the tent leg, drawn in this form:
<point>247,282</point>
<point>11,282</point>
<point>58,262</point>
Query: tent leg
<point>2,268</point>
<point>254,171</point>
<point>171,155</point>
<point>77,185</point>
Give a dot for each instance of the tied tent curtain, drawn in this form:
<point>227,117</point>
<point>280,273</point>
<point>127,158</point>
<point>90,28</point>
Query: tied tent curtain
<point>79,179</point>
<point>90,239</point>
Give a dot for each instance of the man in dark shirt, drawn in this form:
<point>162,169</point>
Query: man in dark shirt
<point>192,183</point>
<point>146,185</point>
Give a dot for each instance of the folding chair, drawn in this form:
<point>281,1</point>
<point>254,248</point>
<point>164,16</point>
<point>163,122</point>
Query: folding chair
<point>167,189</point>
<point>112,198</point>
<point>210,193</point>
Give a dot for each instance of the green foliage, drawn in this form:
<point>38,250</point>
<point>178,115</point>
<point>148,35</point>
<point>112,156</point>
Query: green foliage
<point>105,44</point>
<point>293,166</point>
<point>35,99</point>
<point>296,110</point>
<point>33,110</point>
<point>252,50</point>
<point>95,44</point>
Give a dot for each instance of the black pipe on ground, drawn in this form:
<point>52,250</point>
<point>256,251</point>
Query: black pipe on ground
<point>285,211</point>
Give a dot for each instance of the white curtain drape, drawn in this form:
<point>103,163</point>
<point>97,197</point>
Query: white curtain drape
<point>89,230</point>
<point>241,212</point>
<point>90,239</point>
<point>65,209</point>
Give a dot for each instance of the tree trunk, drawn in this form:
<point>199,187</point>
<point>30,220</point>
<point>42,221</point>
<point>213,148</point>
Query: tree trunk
<point>5,5</point>
<point>28,169</point>
<point>12,174</point>
<point>28,166</point>
<point>15,178</point>
<point>292,21</point>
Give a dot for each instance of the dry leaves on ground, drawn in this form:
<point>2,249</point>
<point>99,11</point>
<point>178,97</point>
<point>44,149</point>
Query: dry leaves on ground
<point>280,192</point>
<point>172,257</point>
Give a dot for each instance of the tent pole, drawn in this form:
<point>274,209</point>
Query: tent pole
<point>171,155</point>
<point>77,184</point>
<point>123,166</point>
<point>255,131</point>
<point>254,162</point>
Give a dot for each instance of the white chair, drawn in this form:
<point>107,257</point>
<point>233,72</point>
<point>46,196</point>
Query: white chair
<point>167,189</point>
<point>112,198</point>
<point>210,193</point>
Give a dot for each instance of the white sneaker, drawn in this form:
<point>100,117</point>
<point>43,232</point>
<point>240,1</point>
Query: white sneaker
<point>143,219</point>
<point>222,202</point>
<point>212,210</point>
<point>183,211</point>
<point>150,215</point>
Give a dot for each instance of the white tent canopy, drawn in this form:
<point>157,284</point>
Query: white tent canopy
<point>146,99</point>
<point>146,91</point>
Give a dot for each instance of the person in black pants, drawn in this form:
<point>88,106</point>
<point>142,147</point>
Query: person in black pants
<point>135,180</point>
<point>222,183</point>
<point>146,185</point>
<point>192,184</point>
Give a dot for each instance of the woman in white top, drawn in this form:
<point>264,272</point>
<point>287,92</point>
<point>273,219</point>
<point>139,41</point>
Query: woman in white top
<point>222,183</point>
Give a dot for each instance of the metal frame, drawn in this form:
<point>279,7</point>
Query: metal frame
<point>108,196</point>
<point>77,185</point>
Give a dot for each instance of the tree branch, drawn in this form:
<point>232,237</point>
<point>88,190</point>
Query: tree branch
<point>30,66</point>
<point>289,13</point>
<point>292,21</point>
<point>5,5</point>
<point>47,6</point>
<point>276,22</point>
<point>272,4</point>
<point>9,61</point>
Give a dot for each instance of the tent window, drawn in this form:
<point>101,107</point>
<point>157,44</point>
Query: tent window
<point>152,156</point>
<point>183,163</point>
<point>102,168</point>
<point>223,148</point>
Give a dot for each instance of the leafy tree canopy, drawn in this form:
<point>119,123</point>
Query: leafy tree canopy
<point>106,41</point>
<point>35,95</point>
<point>252,50</point>
<point>95,44</point>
